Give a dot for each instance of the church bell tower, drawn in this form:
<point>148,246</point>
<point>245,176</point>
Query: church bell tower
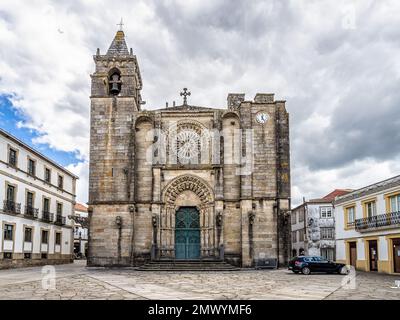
<point>117,73</point>
<point>115,98</point>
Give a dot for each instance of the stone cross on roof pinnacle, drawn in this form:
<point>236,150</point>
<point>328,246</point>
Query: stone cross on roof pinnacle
<point>120,24</point>
<point>185,94</point>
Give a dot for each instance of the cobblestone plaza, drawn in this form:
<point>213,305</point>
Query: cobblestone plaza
<point>77,282</point>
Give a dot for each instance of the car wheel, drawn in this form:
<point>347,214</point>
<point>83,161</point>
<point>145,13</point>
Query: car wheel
<point>344,270</point>
<point>306,270</point>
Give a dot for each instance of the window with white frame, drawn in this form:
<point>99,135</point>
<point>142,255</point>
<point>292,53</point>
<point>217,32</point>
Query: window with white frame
<point>8,232</point>
<point>45,237</point>
<point>394,202</point>
<point>294,217</point>
<point>327,233</point>
<point>31,167</point>
<point>60,182</point>
<point>325,212</point>
<point>47,175</point>
<point>301,216</point>
<point>58,238</point>
<point>10,195</point>
<point>59,208</point>
<point>370,208</point>
<point>28,234</point>
<point>301,235</point>
<point>350,215</point>
<point>294,236</point>
<point>12,157</point>
<point>328,253</point>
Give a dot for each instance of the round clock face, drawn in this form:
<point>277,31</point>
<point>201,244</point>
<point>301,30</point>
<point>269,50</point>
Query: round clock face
<point>262,117</point>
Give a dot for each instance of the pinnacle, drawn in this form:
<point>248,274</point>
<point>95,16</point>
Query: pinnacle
<point>118,46</point>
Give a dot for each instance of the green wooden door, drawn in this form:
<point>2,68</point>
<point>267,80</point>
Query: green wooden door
<point>187,233</point>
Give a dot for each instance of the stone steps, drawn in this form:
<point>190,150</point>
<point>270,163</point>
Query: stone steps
<point>188,265</point>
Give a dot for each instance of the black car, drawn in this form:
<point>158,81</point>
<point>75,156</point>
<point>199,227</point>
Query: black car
<point>308,264</point>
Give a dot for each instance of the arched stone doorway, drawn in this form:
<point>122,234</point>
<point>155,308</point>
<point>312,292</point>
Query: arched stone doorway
<point>187,197</point>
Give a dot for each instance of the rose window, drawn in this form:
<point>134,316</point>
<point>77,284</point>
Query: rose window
<point>187,144</point>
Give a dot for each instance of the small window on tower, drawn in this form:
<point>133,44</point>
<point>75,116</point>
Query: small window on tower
<point>114,82</point>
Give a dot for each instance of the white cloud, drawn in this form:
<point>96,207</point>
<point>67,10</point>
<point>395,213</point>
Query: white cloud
<point>340,76</point>
<point>318,183</point>
<point>81,169</point>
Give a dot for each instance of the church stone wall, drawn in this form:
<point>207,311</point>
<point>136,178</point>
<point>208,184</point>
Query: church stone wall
<point>143,233</point>
<point>143,166</point>
<point>231,157</point>
<point>232,232</point>
<point>264,153</point>
<point>265,230</point>
<point>109,245</point>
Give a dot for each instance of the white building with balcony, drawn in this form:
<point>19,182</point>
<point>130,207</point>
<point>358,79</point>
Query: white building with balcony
<point>313,227</point>
<point>81,231</point>
<point>368,227</point>
<point>36,197</point>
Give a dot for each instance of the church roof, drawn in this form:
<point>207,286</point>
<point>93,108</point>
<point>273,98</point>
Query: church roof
<point>80,207</point>
<point>336,193</point>
<point>186,107</point>
<point>118,46</point>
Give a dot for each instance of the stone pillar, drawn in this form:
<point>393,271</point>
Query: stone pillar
<point>202,232</point>
<point>246,207</point>
<point>218,230</point>
<point>156,221</point>
<point>156,184</point>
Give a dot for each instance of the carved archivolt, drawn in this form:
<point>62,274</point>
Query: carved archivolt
<point>187,182</point>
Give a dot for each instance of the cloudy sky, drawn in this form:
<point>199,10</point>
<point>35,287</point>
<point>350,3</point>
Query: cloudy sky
<point>336,63</point>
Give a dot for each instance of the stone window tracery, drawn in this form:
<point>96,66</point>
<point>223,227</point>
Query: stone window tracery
<point>186,142</point>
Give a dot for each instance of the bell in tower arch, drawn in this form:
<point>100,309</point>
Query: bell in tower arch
<point>115,83</point>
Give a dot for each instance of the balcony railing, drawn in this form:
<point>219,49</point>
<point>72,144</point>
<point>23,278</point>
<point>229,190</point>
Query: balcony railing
<point>60,220</point>
<point>31,212</point>
<point>382,220</point>
<point>11,207</point>
<point>47,216</point>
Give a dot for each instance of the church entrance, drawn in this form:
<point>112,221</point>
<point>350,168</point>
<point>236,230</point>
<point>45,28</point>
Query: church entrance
<point>187,233</point>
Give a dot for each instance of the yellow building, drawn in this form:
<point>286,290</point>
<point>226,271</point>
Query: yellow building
<point>367,224</point>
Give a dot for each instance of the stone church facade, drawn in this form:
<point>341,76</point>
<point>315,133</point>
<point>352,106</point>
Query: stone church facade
<point>184,182</point>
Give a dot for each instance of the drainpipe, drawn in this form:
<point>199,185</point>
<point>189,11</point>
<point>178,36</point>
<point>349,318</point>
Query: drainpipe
<point>118,221</point>
<point>89,236</point>
<point>153,254</point>
<point>132,253</point>
<point>251,216</point>
<point>305,227</point>
<point>219,229</point>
